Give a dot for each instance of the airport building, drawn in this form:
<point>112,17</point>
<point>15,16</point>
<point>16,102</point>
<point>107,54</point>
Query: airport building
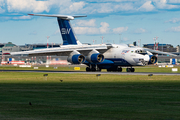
<point>6,48</point>
<point>161,47</point>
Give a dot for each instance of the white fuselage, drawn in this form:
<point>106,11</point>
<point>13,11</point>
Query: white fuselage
<point>119,52</point>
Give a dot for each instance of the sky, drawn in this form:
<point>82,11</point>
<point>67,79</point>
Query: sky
<point>118,21</point>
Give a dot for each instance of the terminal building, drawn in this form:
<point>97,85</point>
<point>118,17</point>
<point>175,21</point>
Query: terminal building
<point>161,47</point>
<point>6,48</point>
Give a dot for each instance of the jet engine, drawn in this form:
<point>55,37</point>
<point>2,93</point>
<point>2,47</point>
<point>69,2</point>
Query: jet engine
<point>95,57</point>
<point>76,58</point>
<point>152,59</point>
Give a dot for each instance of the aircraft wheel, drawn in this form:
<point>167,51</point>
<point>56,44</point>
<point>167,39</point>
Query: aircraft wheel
<point>119,69</point>
<point>88,69</point>
<point>98,69</point>
<point>132,69</point>
<point>93,69</point>
<point>128,69</point>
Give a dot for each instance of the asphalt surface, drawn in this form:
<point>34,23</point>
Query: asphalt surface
<point>84,72</point>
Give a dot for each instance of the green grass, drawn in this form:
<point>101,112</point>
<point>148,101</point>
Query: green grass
<point>83,96</point>
<point>83,68</point>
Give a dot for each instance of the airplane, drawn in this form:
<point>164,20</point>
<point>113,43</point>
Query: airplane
<point>111,57</point>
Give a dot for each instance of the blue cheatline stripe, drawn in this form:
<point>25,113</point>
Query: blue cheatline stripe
<point>67,33</point>
<point>110,62</point>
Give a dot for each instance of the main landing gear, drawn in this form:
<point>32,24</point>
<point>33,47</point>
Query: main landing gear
<point>130,69</point>
<point>93,68</point>
<point>118,69</point>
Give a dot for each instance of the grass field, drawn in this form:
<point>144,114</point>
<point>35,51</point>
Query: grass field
<point>83,96</point>
<point>83,68</point>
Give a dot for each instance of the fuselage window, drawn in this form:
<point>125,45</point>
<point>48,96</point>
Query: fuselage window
<point>143,52</point>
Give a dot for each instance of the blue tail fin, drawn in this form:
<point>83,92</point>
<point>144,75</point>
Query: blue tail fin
<point>67,33</point>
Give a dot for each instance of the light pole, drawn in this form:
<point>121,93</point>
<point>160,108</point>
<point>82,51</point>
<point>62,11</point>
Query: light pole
<point>120,38</point>
<point>47,61</point>
<point>162,44</point>
<point>47,40</point>
<point>102,39</point>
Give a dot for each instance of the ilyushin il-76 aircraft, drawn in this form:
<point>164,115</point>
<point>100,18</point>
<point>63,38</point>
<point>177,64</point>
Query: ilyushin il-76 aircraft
<point>100,56</point>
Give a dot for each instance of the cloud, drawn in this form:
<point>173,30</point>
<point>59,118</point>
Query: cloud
<point>173,29</point>
<point>76,6</point>
<point>174,1</point>
<point>125,39</point>
<point>124,7</point>
<point>163,4</point>
<point>2,5</point>
<point>104,27</point>
<point>71,7</point>
<point>86,30</point>
<point>93,30</point>
<point>62,6</point>
<point>27,6</point>
<point>88,6</point>
<point>105,8</point>
<point>22,17</point>
<point>2,10</point>
<point>174,20</point>
<point>86,23</point>
<point>139,31</point>
<point>147,6</point>
<point>120,29</point>
<point>33,33</point>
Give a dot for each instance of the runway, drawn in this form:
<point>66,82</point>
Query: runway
<point>84,72</point>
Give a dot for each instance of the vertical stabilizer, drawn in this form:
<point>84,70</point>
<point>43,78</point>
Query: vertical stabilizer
<point>67,32</point>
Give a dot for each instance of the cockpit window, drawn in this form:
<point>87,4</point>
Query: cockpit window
<point>143,52</point>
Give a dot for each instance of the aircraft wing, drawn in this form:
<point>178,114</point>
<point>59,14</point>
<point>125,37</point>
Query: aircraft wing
<point>64,50</point>
<point>155,51</point>
<point>159,52</point>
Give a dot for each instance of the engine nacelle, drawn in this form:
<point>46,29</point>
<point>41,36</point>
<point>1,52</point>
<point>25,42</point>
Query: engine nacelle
<point>95,58</point>
<point>76,58</point>
<point>152,59</point>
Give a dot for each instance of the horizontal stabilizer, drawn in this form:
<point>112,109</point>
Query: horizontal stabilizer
<point>65,17</point>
